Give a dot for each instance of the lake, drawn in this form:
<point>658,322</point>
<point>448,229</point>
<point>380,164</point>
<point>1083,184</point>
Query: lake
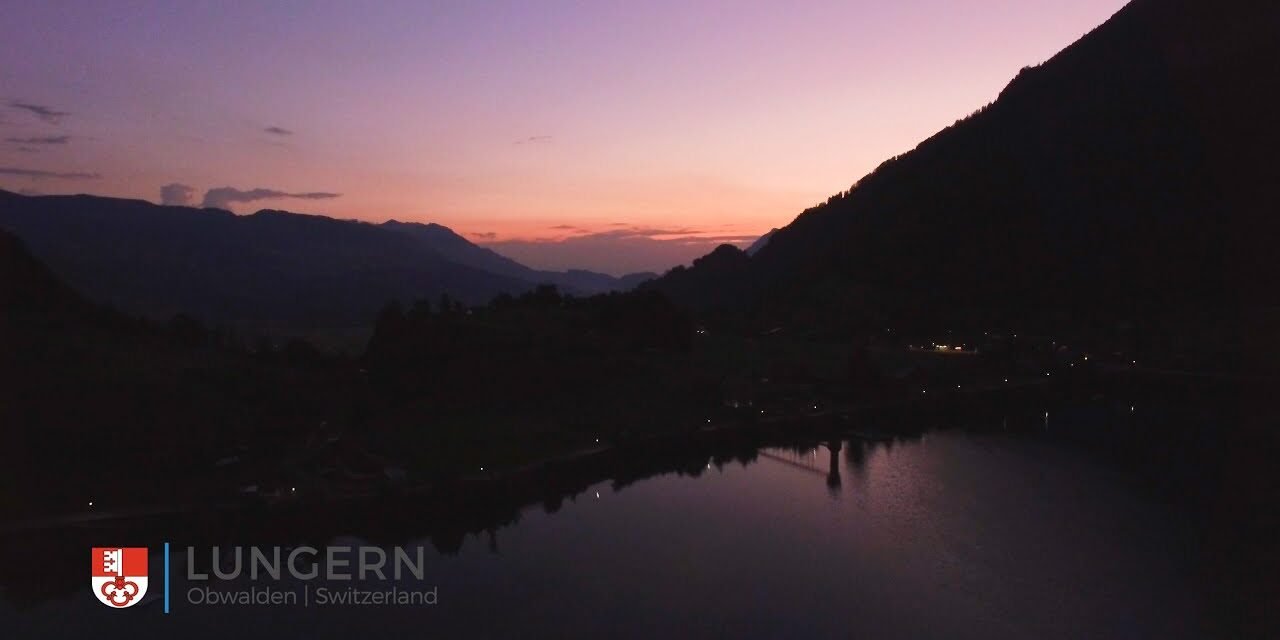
<point>950,533</point>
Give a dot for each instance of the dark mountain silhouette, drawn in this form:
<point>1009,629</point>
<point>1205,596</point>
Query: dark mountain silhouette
<point>454,247</point>
<point>575,280</point>
<point>761,242</point>
<point>78,374</point>
<point>27,286</point>
<point>721,279</point>
<point>1128,176</point>
<point>271,268</point>
<point>188,397</point>
<point>448,244</point>
<point>633,280</point>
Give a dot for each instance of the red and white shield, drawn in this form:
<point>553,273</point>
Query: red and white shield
<point>119,575</point>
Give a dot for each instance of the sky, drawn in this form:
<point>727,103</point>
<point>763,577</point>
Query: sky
<point>615,136</point>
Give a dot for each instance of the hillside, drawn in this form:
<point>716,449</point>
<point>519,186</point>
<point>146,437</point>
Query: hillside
<point>27,286</point>
<point>1124,178</point>
<point>81,379</point>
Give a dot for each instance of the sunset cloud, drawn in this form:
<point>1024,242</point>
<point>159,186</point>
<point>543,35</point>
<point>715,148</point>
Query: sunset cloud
<point>48,114</point>
<point>650,232</point>
<point>568,227</point>
<point>223,197</point>
<point>41,174</point>
<point>279,131</point>
<point>40,140</point>
<point>534,140</point>
<point>178,195</point>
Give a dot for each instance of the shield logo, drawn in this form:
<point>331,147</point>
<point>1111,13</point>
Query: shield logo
<point>119,575</point>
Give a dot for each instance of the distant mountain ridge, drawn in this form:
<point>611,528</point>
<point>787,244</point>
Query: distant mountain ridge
<point>270,268</point>
<point>456,248</point>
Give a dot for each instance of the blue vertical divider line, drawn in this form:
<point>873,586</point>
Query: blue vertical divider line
<point>166,577</point>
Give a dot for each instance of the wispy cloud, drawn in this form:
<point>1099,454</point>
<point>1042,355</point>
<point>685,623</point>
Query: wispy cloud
<point>41,174</point>
<point>223,197</point>
<point>628,249</point>
<point>46,113</point>
<point>278,131</point>
<point>631,231</point>
<point>40,140</point>
<point>566,227</point>
<point>177,194</point>
<point>534,140</point>
<point>483,235</point>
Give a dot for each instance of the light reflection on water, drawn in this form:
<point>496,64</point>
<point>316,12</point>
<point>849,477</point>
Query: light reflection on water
<point>950,535</point>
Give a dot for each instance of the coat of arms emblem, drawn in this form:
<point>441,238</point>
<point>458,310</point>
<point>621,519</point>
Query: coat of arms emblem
<point>119,575</point>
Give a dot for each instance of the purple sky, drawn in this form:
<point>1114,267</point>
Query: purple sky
<point>607,135</point>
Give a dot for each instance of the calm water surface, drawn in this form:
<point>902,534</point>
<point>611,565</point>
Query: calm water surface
<point>951,535</point>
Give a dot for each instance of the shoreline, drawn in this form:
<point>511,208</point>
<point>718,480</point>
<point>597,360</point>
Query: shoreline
<point>835,421</point>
